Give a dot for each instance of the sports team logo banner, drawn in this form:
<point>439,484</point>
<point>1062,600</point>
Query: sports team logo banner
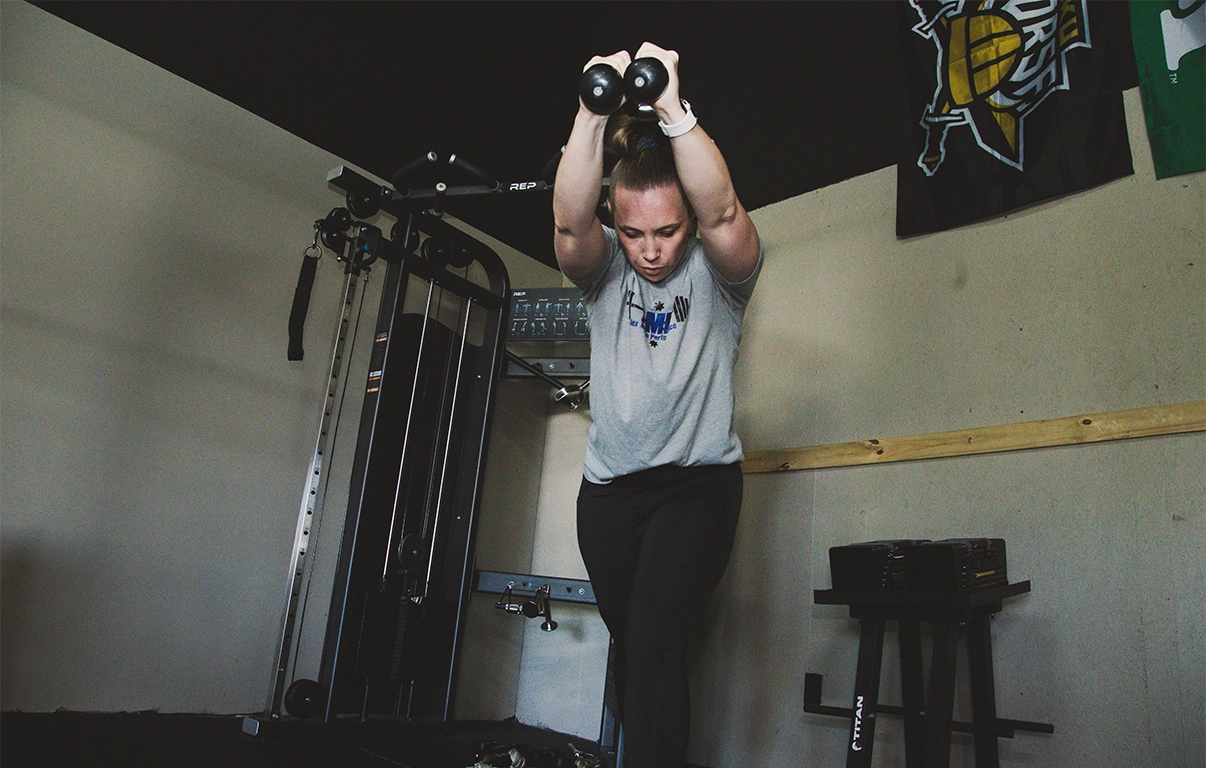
<point>1008,103</point>
<point>1170,52</point>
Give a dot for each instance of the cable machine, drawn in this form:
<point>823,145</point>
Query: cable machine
<point>405,562</point>
<point>405,568</point>
<point>396,611</point>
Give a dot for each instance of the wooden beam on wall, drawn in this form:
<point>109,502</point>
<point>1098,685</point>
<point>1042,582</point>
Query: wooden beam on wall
<point>1045,433</point>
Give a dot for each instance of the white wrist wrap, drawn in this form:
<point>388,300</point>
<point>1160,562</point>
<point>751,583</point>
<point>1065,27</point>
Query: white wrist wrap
<point>682,126</point>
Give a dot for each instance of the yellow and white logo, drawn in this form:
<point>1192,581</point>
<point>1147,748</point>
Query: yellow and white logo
<point>996,62</point>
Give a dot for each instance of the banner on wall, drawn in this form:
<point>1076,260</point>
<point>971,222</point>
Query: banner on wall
<point>1170,52</point>
<point>1007,104</point>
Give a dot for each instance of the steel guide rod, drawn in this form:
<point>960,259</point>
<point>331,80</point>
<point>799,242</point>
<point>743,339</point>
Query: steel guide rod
<point>306,520</point>
<point>410,412</point>
<point>435,522</point>
<point>393,291</point>
<point>488,371</point>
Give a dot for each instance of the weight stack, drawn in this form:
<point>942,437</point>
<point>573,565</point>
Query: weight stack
<point>955,565</point>
<point>870,566</point>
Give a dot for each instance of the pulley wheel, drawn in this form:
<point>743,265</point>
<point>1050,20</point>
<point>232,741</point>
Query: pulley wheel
<point>411,243</point>
<point>333,228</point>
<point>460,256</point>
<point>363,206</point>
<point>437,252</point>
<point>410,557</point>
<point>301,699</point>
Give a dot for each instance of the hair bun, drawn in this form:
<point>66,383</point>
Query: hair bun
<point>628,137</point>
<point>644,158</point>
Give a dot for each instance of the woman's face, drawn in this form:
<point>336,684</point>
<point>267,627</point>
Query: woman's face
<point>654,226</point>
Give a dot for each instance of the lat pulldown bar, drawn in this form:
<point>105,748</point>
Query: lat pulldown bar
<point>365,198</point>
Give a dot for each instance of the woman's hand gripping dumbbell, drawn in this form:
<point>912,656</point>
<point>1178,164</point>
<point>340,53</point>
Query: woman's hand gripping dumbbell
<point>602,88</point>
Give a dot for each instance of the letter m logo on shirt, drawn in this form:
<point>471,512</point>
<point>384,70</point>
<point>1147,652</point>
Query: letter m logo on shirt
<point>657,323</point>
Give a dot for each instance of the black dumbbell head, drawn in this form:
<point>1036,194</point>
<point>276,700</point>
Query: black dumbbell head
<point>601,89</point>
<point>645,79</point>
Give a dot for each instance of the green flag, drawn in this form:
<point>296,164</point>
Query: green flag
<point>1170,53</point>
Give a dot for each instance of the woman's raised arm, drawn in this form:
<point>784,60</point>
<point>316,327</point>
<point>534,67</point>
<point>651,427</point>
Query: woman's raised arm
<point>578,237</point>
<point>729,238</point>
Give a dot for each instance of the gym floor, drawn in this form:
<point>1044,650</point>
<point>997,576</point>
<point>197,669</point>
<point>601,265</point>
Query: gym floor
<point>151,740</point>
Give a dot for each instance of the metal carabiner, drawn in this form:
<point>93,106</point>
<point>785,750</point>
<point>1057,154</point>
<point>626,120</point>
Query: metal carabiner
<point>314,245</point>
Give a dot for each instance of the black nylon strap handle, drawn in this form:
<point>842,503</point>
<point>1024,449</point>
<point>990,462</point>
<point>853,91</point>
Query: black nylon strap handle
<point>301,305</point>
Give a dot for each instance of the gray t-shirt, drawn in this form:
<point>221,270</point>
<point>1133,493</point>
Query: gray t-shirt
<point>661,364</point>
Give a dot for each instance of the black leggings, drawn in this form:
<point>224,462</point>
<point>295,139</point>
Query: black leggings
<point>655,544</point>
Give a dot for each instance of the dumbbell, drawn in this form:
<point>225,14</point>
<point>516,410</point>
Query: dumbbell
<point>602,89</point>
<point>644,81</point>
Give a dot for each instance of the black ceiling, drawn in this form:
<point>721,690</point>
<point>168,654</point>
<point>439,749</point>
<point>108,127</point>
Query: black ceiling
<point>798,95</point>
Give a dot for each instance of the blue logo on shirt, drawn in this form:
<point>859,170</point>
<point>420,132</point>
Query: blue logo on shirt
<point>656,323</point>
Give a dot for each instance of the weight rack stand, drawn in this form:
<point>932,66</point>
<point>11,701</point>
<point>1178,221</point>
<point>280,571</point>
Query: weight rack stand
<point>927,720</point>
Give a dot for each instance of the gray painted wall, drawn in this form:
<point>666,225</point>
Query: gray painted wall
<point>1090,303</point>
<point>154,437</point>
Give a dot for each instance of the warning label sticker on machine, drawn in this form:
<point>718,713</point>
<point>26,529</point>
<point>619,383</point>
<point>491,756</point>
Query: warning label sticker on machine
<point>377,362</point>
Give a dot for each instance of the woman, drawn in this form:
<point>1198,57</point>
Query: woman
<point>665,291</point>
